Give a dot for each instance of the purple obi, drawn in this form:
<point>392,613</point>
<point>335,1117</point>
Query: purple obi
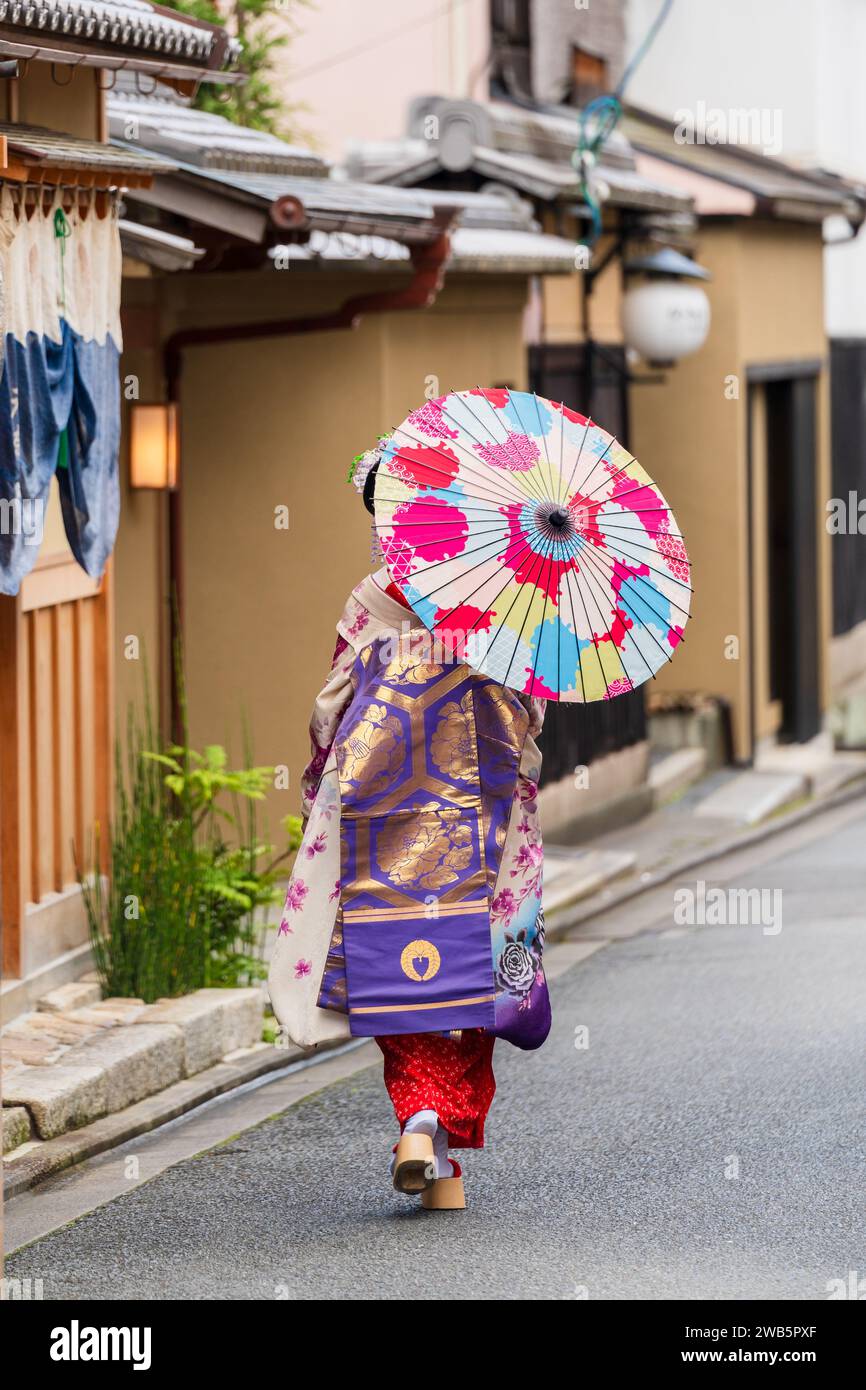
<point>428,756</point>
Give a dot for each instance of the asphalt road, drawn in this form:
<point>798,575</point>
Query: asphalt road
<point>708,1143</point>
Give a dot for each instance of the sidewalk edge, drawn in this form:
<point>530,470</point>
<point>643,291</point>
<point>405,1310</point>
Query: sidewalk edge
<point>561,922</point>
<point>66,1150</point>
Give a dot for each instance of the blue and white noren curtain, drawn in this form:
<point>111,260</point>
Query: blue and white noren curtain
<point>59,379</point>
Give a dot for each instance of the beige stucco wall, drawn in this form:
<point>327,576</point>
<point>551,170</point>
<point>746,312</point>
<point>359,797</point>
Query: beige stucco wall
<point>73,104</point>
<point>691,435</point>
<point>140,561</point>
<point>563,294</point>
<point>276,422</point>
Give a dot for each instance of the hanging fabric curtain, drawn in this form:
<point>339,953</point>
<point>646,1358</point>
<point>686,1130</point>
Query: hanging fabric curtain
<point>60,266</point>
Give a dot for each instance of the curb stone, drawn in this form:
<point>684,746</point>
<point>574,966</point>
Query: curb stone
<point>16,1127</point>
<point>53,1156</point>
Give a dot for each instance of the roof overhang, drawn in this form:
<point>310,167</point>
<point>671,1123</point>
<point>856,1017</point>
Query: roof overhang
<point>30,154</point>
<point>258,208</point>
<point>728,179</point>
<point>528,149</point>
<point>154,247</point>
<point>474,250</point>
<point>118,34</point>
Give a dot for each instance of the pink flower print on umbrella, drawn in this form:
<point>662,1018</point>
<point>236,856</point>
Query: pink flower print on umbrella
<point>316,846</point>
<point>430,420</point>
<point>335,892</point>
<point>303,968</point>
<point>518,453</point>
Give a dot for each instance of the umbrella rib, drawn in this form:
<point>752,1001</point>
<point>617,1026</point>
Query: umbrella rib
<point>467,597</point>
<point>664,574</point>
<point>608,573</point>
<point>599,460</point>
<point>561,546</point>
<point>411,525</point>
<point>485,545</point>
<point>462,398</point>
<point>476,480</point>
<point>553,543</point>
<point>525,492</point>
<point>617,497</point>
<point>611,521</point>
<point>538,492</point>
<point>577,576</point>
<point>635,619</point>
<point>525,583</point>
<point>511,401</point>
<point>478,475</point>
<point>471,568</point>
<point>494,509</point>
<point>611,478</point>
<point>561,452</point>
<point>636,560</point>
<point>607,578</point>
<point>543,437</point>
<point>574,466</point>
<point>567,576</point>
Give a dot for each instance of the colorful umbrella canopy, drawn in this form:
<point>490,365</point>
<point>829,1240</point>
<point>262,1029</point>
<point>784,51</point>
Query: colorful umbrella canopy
<point>532,544</point>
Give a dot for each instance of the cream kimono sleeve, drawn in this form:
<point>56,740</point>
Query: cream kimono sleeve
<point>331,704</point>
<point>313,893</point>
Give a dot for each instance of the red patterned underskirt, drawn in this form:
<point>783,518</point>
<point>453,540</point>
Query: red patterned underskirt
<point>452,1075</point>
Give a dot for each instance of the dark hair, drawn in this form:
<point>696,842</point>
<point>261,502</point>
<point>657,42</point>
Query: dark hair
<point>370,488</point>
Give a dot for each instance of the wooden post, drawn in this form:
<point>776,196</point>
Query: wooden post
<point>13,779</point>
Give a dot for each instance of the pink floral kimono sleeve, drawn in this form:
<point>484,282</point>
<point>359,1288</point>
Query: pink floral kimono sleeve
<point>331,704</point>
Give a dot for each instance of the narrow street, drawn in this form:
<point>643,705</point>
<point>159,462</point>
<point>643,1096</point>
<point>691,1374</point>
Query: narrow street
<point>707,1143</point>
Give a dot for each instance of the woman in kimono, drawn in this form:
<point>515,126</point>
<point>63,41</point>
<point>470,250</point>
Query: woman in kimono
<point>413,914</point>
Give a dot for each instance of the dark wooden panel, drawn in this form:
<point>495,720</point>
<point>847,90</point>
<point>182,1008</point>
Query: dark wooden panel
<point>848,416</point>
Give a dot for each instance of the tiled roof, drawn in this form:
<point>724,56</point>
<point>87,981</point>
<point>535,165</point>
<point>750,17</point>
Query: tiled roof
<point>525,148</point>
<point>781,189</point>
<point>34,146</point>
<point>173,128</point>
<point>132,26</point>
<point>328,204</point>
<point>473,249</point>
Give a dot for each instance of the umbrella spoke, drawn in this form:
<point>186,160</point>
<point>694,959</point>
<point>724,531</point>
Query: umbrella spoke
<point>622,600</point>
<point>479,473</point>
<point>631,632</point>
<point>597,555</point>
<point>576,463</point>
<point>652,551</point>
<point>528,474</point>
<point>529,493</point>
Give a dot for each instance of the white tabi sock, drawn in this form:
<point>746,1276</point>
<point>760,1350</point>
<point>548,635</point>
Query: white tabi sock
<point>427,1122</point>
<point>440,1150</point>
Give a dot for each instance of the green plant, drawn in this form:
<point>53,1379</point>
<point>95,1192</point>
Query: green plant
<point>189,878</point>
<point>255,102</point>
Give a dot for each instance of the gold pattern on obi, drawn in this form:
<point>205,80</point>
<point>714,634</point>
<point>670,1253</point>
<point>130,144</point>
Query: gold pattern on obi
<point>420,960</point>
<point>373,752</point>
<point>424,850</point>
<point>452,746</point>
<point>414,667</point>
